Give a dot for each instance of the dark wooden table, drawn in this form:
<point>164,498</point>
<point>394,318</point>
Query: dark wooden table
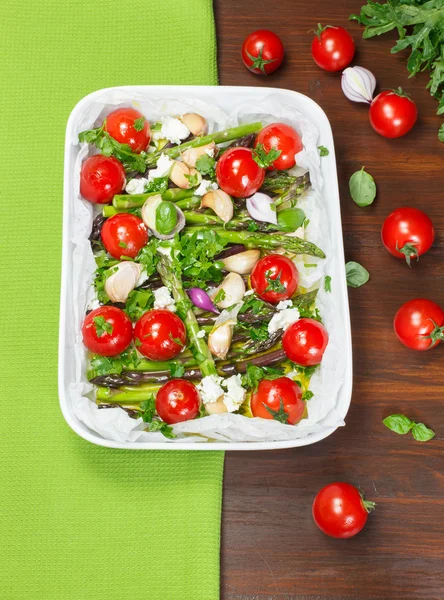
<point>271,548</point>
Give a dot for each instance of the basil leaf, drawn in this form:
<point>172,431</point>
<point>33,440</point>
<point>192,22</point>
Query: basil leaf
<point>362,188</point>
<point>290,219</point>
<point>356,274</point>
<point>166,218</point>
<point>421,433</point>
<point>399,424</point>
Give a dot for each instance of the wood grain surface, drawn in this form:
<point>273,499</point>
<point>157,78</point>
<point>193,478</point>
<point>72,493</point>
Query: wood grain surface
<point>271,549</point>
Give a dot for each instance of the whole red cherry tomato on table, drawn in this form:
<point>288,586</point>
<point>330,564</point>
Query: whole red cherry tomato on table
<point>332,48</point>
<point>177,401</point>
<point>107,331</point>
<point>238,174</point>
<point>393,113</point>
<point>285,139</point>
<point>159,334</point>
<point>305,341</point>
<point>129,126</point>
<point>124,234</point>
<point>262,52</point>
<point>279,399</point>
<point>101,177</point>
<point>274,278</point>
<point>419,324</point>
<point>407,233</point>
<point>340,511</point>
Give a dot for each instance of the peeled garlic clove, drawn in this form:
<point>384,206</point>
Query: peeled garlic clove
<point>358,84</point>
<point>216,408</point>
<point>179,175</point>
<point>220,202</point>
<point>260,207</point>
<point>242,263</point>
<point>191,156</point>
<point>219,340</point>
<point>149,211</point>
<point>119,285</point>
<point>195,123</point>
<point>234,287</point>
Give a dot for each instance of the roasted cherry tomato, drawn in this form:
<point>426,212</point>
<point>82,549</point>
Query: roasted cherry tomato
<point>274,278</point>
<point>305,342</point>
<point>129,126</point>
<point>407,233</point>
<point>100,178</point>
<point>177,401</point>
<point>332,48</point>
<point>419,324</point>
<point>279,399</point>
<point>107,331</point>
<point>238,174</point>
<point>262,52</point>
<point>284,138</point>
<point>159,334</point>
<point>124,235</point>
<point>340,511</point>
<point>392,113</point>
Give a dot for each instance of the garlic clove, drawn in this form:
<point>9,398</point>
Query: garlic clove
<point>197,176</point>
<point>216,408</point>
<point>191,156</point>
<point>358,84</point>
<point>195,123</point>
<point>220,202</point>
<point>119,285</point>
<point>179,175</point>
<point>234,287</point>
<point>242,263</point>
<point>219,340</point>
<point>149,211</point>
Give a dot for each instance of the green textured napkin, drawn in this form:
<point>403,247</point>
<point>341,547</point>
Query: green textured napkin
<point>78,522</point>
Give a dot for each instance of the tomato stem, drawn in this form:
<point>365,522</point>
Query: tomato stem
<point>320,29</point>
<point>258,62</point>
<point>410,251</point>
<point>367,504</point>
<point>436,335</point>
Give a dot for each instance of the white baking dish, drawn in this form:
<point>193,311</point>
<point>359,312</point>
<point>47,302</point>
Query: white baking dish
<point>227,98</point>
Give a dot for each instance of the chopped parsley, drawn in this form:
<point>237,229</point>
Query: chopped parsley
<point>274,283</point>
<point>102,326</point>
<point>139,123</point>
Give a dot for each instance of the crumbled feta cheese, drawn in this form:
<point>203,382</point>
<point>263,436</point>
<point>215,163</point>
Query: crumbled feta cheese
<point>248,293</point>
<point>204,187</point>
<point>283,319</point>
<point>292,375</point>
<point>163,299</point>
<point>162,169</point>
<point>201,333</point>
<point>166,250</point>
<point>93,304</point>
<point>210,152</point>
<point>235,394</point>
<point>136,186</point>
<point>284,304</point>
<point>174,130</point>
<point>210,389</point>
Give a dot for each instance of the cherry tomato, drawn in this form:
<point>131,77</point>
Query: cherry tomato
<point>159,334</point>
<point>274,278</point>
<point>100,178</point>
<point>340,511</point>
<point>407,233</point>
<point>107,331</point>
<point>129,126</point>
<point>305,341</point>
<point>238,174</point>
<point>419,323</point>
<point>392,113</point>
<point>279,399</point>
<point>284,138</point>
<point>332,48</point>
<point>177,401</point>
<point>124,235</point>
<point>262,52</point>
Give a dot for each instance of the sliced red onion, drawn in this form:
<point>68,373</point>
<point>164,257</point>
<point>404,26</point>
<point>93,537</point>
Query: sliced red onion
<point>358,84</point>
<point>259,207</point>
<point>201,299</point>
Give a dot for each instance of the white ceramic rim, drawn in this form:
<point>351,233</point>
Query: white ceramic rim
<point>328,168</point>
